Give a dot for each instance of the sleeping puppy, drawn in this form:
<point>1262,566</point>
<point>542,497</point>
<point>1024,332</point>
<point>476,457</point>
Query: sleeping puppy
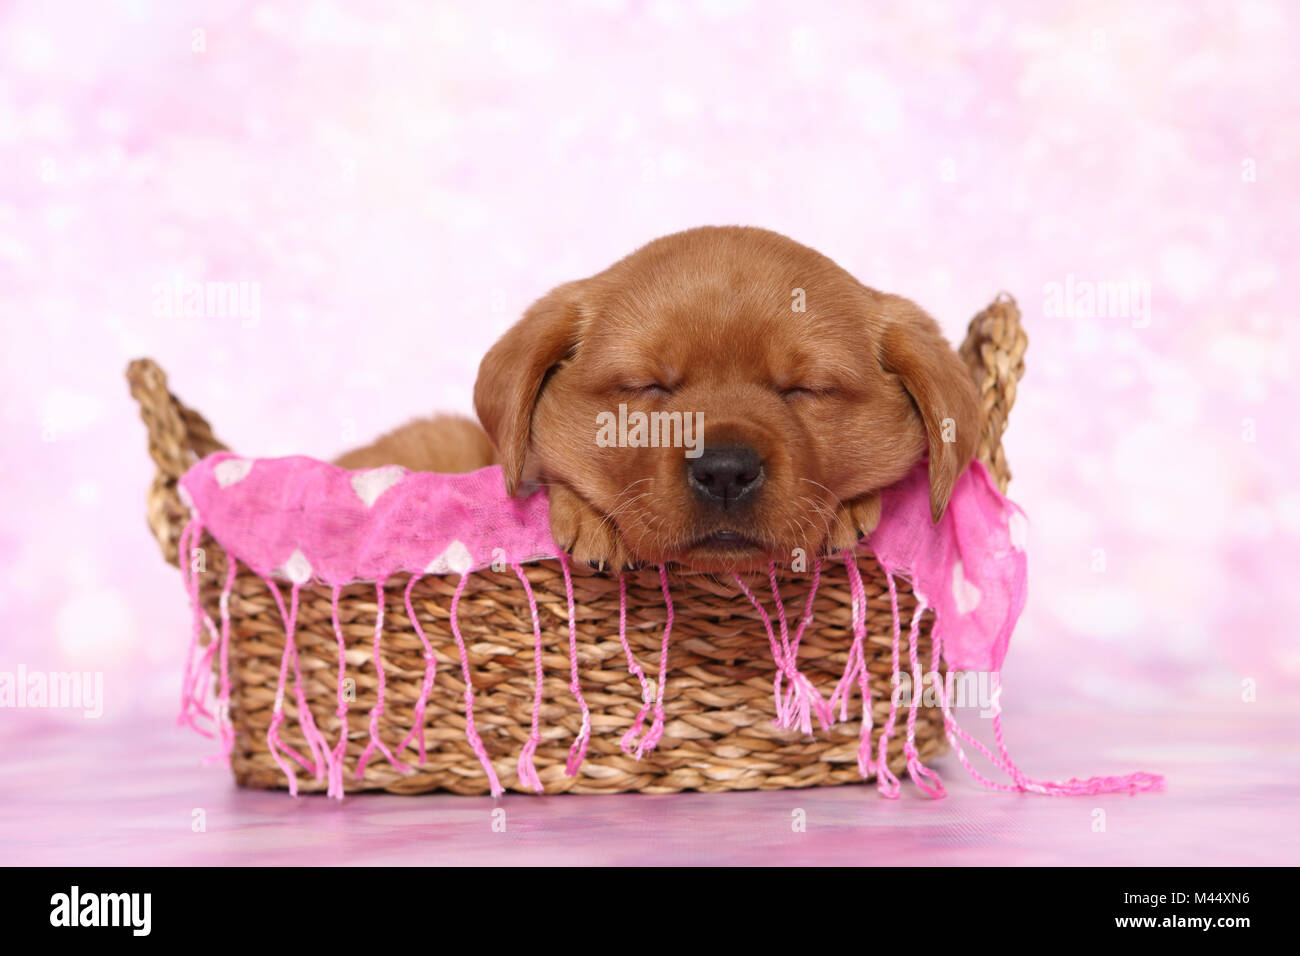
<point>720,398</point>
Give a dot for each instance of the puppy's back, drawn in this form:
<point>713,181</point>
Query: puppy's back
<point>445,443</point>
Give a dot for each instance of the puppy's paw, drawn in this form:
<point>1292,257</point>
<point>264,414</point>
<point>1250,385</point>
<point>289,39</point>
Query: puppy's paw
<point>854,520</point>
<point>584,533</point>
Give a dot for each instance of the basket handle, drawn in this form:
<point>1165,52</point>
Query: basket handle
<point>178,437</point>
<point>994,351</point>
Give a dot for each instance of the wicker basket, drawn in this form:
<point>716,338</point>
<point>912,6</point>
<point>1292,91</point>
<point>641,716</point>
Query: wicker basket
<point>719,732</point>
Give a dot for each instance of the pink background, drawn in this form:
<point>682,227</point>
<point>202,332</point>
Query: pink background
<point>402,182</point>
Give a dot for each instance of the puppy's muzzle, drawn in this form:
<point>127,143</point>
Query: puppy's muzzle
<point>725,475</point>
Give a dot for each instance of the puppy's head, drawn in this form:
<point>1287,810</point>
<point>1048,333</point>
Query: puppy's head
<point>719,392</point>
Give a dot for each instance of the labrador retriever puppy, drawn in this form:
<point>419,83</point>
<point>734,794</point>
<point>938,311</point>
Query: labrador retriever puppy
<point>719,398</point>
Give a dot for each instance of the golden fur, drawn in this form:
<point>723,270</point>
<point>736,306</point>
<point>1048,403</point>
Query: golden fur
<point>837,401</point>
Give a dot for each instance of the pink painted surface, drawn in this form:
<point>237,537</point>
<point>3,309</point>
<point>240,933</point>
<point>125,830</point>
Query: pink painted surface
<point>129,795</point>
<point>395,184</point>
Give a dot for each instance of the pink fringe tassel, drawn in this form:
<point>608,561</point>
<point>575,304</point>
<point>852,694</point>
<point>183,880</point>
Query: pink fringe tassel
<point>927,780</point>
<point>805,699</point>
<point>335,788</point>
<point>578,752</point>
<point>1131,783</point>
<point>182,549</point>
<point>918,771</point>
<point>290,655</point>
<point>430,674</point>
<point>855,668</point>
<point>201,683</point>
<point>197,679</point>
<point>804,621</point>
<point>527,769</point>
<point>471,733</point>
<point>656,732</point>
<point>378,710</point>
<point>224,727</point>
<point>886,782</point>
<point>795,704</point>
<point>789,696</point>
<point>193,690</point>
<point>781,719</point>
<point>628,743</point>
<point>801,698</point>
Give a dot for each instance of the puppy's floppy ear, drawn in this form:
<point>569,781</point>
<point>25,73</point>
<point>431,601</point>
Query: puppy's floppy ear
<point>913,348</point>
<point>512,373</point>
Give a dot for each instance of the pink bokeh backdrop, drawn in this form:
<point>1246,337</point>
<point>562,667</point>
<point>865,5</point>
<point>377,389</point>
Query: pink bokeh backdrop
<point>400,180</point>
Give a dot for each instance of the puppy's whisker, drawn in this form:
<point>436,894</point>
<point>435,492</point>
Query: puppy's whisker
<point>826,512</point>
<point>829,493</point>
<point>621,507</point>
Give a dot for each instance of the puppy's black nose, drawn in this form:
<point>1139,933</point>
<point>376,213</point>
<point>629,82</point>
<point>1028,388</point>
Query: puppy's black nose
<point>725,474</point>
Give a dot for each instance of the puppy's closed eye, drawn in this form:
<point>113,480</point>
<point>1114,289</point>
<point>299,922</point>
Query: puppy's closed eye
<point>647,390</point>
<point>800,392</point>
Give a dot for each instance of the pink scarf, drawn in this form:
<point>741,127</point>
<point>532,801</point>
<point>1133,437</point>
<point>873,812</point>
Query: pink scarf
<point>300,520</point>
